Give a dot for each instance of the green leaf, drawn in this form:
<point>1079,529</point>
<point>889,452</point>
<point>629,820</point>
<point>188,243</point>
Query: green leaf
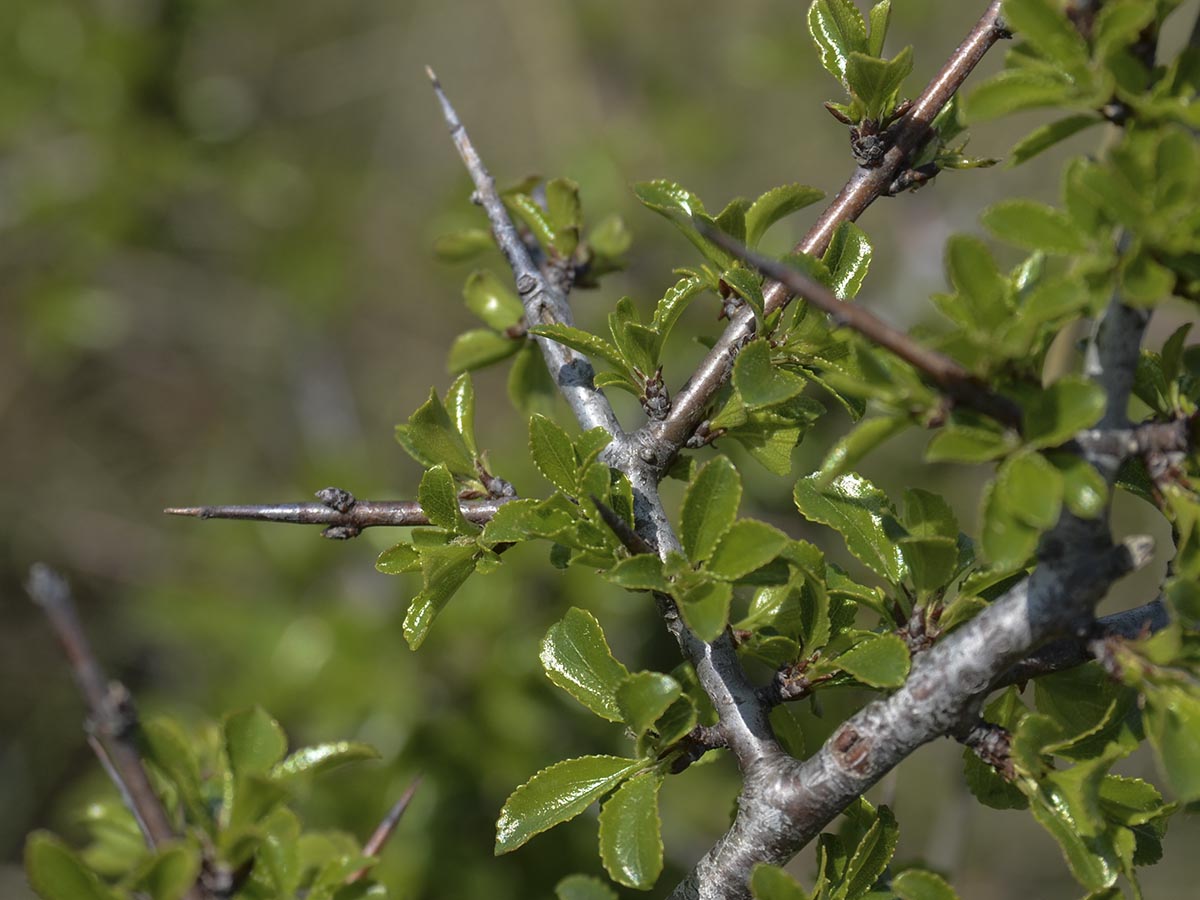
<point>644,696</point>
<point>748,286</point>
<point>460,246</point>
<point>1041,139</point>
<point>479,348</point>
<point>1035,226</point>
<point>525,208</point>
<point>530,385</point>
<point>773,883</point>
<point>848,257</point>
<point>705,609</point>
<point>748,545</point>
<point>1084,489</point>
<point>557,794</point>
<point>875,81</point>
<point>553,454</point>
<point>732,219</point>
<point>443,571</point>
<point>565,213</point>
<point>919,884</point>
<point>881,17</point>
<point>681,207</point>
<point>431,437</point>
<point>1056,413</point>
<point>981,287</point>
<point>1031,489</point>
<point>838,29</point>
<point>491,301</point>
<point>928,515</point>
<point>1042,24</point>
<point>866,436</point>
<point>56,873</point>
<point>460,405</point>
<point>759,381</point>
<point>672,305</point>
<point>321,758</point>
<point>576,657</point>
<point>709,507</point>
<point>610,238</point>
<point>989,787</point>
<point>1091,860</point>
<point>1016,89</point>
<point>774,205</point>
<point>438,496</point>
<point>1172,718</point>
<point>583,887</point>
<point>583,342</point>
<point>171,750</point>
<point>931,562</point>
<point>862,514</point>
<point>170,873</point>
<point>872,855</point>
<point>254,741</point>
<point>969,444</point>
<point>639,573</point>
<point>1007,541</point>
<point>879,661</point>
<point>631,834</point>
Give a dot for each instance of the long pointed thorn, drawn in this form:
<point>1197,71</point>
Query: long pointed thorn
<point>386,828</point>
<point>448,111</point>
<point>196,512</point>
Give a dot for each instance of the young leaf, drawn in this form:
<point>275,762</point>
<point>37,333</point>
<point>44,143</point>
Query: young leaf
<point>773,883</point>
<point>709,507</point>
<point>1007,541</point>
<point>1041,139</point>
<point>672,305</point>
<point>872,855</point>
<point>705,609</point>
<point>875,81</point>
<point>681,207</point>
<point>563,208</point>
<point>321,758</point>
<point>880,17</point>
<point>866,436</point>
<point>460,246</point>
<point>558,794</point>
<point>460,405</point>
<point>576,657</point>
<point>491,301</point>
<point>1172,718</point>
<point>1035,226</point>
<point>438,496</point>
<point>919,884</point>
<point>848,258</point>
<point>969,444</point>
<point>479,348</point>
<point>838,29</point>
<point>584,342</point>
<point>431,437</point>
<point>759,381</point>
<point>630,833</point>
<point>56,873</point>
<point>862,514</point>
<point>443,571</point>
<point>774,205</point>
<point>982,289</point>
<point>553,454</point>
<point>583,887</point>
<point>644,696</point>
<point>169,874</point>
<point>1042,23</point>
<point>880,661</point>
<point>1055,414</point>
<point>254,741</point>
<point>1016,89</point>
<point>746,546</point>
<point>748,286</point>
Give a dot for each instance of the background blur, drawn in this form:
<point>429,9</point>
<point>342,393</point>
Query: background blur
<point>216,285</point>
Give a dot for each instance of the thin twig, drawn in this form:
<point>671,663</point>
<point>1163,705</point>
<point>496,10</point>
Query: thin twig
<point>112,724</point>
<point>691,402</point>
<point>343,519</point>
<point>948,375</point>
<point>544,303</point>
<point>384,830</point>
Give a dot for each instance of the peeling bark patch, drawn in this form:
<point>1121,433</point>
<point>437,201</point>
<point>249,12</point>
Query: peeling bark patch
<point>852,750</point>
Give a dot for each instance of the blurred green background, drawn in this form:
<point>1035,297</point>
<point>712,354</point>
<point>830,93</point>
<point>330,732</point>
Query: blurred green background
<point>216,285</point>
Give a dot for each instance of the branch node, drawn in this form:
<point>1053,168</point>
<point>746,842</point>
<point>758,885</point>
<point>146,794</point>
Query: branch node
<point>337,498</point>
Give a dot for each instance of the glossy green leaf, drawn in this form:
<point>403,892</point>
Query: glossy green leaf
<point>1172,718</point>
<point>1031,488</point>
<point>460,246</point>
<point>644,696</point>
<point>880,661</point>
<point>1043,24</point>
<point>865,437</point>
<point>583,887</point>
<point>732,219</point>
<point>920,884</point>
<point>969,444</point>
<point>321,758</point>
<point>875,81</point>
<point>576,657</point>
<point>928,515</point>
<point>554,454</point>
<point>1042,139</point>
<point>682,207</point>
<point>1035,226</point>
<point>1016,89</point>
<point>443,571</point>
<point>848,258</point>
<point>773,883</point>
<point>705,609</point>
<point>1092,860</point>
<point>430,437</point>
<point>557,794</point>
<point>631,833</point>
<point>880,18</point>
<point>774,205</point>
<point>492,301</point>
<point>254,741</point>
<point>673,303</point>
<point>530,386</point>
<point>862,514</point>
<point>1056,413</point>
<point>479,348</point>
<point>582,341</point>
<point>56,873</point>
<point>460,405</point>
<point>438,496</point>
<point>527,210</point>
<point>709,507</point>
<point>759,381</point>
<point>748,286</point>
<point>838,29</point>
<point>639,573</point>
<point>565,213</point>
<point>748,545</point>
<point>871,856</point>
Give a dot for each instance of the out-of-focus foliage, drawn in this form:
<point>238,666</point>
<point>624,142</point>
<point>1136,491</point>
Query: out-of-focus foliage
<point>218,231</point>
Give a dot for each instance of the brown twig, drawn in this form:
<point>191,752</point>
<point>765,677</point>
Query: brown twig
<point>343,515</point>
<point>111,723</point>
<point>386,828</point>
<point>950,377</point>
<point>865,185</point>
